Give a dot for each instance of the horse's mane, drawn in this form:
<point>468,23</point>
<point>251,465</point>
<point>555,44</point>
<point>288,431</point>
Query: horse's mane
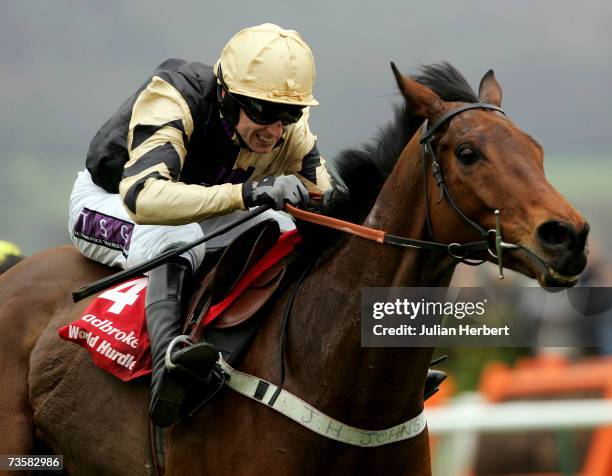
<point>360,172</point>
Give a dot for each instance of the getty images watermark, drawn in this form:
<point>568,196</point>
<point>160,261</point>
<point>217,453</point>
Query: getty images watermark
<point>486,317</point>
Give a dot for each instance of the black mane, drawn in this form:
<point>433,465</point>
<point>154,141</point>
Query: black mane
<point>359,173</point>
<point>446,82</point>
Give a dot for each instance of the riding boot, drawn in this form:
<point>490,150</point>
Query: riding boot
<point>432,382</point>
<point>164,318</point>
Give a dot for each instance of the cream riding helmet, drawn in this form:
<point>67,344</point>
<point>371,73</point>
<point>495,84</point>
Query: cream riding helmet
<point>267,71</point>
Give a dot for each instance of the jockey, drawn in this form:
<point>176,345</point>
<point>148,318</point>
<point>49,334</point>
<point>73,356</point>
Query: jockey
<point>192,148</point>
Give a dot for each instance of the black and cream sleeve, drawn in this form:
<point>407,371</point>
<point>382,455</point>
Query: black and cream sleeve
<point>161,125</point>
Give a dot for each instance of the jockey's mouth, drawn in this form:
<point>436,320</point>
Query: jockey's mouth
<point>266,139</point>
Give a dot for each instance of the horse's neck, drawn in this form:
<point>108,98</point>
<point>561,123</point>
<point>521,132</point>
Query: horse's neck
<point>371,387</point>
<point>399,210</point>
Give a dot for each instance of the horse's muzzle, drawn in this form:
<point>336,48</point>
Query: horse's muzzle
<point>565,246</point>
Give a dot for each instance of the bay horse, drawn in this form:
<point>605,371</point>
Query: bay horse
<point>51,394</point>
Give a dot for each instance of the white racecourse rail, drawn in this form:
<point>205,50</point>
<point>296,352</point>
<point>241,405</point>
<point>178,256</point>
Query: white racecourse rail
<point>471,415</point>
<point>458,424</point>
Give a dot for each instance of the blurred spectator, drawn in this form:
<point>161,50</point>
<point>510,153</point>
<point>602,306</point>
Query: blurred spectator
<point>599,268</point>
<point>598,273</point>
<point>10,255</point>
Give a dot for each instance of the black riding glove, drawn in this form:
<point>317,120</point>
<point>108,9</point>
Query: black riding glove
<point>335,200</point>
<point>275,191</point>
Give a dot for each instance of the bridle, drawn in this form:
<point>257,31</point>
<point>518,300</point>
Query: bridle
<point>460,252</point>
<point>428,153</point>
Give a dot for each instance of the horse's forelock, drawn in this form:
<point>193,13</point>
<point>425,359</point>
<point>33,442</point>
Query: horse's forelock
<point>446,81</point>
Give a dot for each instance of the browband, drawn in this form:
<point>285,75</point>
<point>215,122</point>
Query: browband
<point>454,112</point>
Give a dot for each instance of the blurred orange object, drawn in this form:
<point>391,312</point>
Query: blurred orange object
<point>554,376</point>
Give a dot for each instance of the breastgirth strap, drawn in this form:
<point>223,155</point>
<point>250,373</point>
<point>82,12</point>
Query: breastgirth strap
<point>306,415</point>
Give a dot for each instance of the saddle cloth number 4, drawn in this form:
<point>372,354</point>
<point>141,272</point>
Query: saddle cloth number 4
<point>113,330</point>
<point>125,294</point>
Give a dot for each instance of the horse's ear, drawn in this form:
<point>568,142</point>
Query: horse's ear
<point>421,100</point>
<point>489,90</point>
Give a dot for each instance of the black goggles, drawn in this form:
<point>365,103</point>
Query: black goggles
<point>264,112</point>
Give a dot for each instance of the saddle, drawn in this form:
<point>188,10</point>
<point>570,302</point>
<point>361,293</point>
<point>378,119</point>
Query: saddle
<point>215,295</point>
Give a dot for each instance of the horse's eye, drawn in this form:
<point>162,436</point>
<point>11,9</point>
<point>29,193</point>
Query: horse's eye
<point>467,155</point>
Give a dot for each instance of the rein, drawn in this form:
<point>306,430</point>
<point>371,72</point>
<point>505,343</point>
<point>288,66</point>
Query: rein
<point>458,251</point>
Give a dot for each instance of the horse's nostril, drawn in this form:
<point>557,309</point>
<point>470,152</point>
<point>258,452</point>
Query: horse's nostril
<point>581,236</point>
<point>556,233</point>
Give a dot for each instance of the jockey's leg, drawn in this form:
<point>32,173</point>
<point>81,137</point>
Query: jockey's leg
<point>103,231</point>
<point>164,311</point>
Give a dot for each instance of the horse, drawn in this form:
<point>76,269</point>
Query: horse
<point>476,161</point>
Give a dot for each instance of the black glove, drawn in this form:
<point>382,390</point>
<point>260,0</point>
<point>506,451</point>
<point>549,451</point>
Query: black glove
<point>275,191</point>
<point>334,202</point>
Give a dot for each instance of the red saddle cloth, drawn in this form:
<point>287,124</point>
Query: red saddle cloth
<point>113,327</point>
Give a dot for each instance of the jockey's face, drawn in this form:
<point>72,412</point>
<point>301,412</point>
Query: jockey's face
<point>259,138</point>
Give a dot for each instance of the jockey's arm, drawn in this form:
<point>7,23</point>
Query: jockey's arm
<point>306,161</point>
<point>313,173</point>
<point>160,128</point>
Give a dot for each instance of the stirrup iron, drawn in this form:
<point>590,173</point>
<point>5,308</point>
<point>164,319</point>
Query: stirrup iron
<point>168,357</point>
